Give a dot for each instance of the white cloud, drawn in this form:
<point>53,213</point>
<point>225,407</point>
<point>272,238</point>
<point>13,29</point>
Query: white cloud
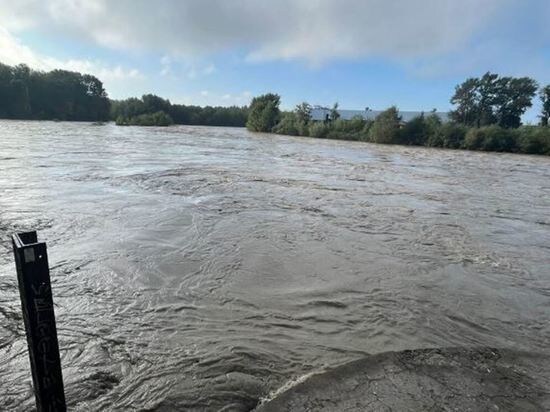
<point>166,64</point>
<point>194,70</point>
<point>192,73</point>
<point>209,69</point>
<point>13,51</point>
<point>311,30</point>
<point>104,72</point>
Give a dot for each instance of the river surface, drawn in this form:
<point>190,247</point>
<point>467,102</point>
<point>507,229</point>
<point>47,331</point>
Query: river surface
<point>199,268</point>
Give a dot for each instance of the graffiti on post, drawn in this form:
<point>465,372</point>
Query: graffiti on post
<point>38,313</point>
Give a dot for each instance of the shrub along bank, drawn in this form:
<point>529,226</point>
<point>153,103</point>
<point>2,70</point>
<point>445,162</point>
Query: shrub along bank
<point>422,131</point>
<point>425,130</point>
<point>147,119</point>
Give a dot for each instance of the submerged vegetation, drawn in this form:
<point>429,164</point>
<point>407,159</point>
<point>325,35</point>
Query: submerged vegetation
<point>264,113</point>
<point>487,117</point>
<point>147,119</point>
<point>146,110</point>
<point>425,130</point>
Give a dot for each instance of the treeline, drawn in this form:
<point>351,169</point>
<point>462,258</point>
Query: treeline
<point>487,117</point>
<point>66,95</point>
<point>154,110</point>
<point>58,94</point>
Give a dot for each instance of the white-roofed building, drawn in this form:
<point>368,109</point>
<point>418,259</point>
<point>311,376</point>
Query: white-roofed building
<point>320,113</point>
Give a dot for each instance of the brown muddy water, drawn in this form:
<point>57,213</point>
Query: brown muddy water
<point>199,268</point>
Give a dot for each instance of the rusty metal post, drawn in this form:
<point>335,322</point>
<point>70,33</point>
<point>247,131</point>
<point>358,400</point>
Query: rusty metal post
<point>33,275</point>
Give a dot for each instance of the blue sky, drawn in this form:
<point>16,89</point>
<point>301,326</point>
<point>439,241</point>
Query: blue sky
<point>359,53</point>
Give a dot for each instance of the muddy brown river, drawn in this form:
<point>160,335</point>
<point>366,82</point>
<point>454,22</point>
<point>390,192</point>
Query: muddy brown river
<point>199,268</point>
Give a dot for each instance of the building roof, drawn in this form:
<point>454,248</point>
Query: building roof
<point>319,113</point>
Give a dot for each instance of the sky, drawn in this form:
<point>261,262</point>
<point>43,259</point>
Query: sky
<point>359,53</point>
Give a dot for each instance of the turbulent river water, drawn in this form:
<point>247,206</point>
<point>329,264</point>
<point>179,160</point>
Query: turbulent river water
<point>199,268</point>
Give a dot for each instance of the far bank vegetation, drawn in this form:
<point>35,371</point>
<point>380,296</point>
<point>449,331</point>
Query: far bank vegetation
<point>487,117</point>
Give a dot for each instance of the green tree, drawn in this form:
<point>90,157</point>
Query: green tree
<point>303,112</point>
<point>385,128</point>
<point>352,129</point>
<point>159,118</point>
<point>534,140</point>
<point>334,113</point>
<point>453,135</point>
<point>433,128</point>
<point>58,94</point>
<point>319,129</point>
<point>475,99</point>
<point>20,102</point>
<point>544,94</point>
<point>466,101</point>
<point>493,100</point>
<point>96,105</point>
<point>491,138</point>
<point>18,92</point>
<point>5,79</point>
<point>514,97</point>
<point>415,132</point>
<point>153,104</point>
<point>289,124</point>
<point>264,113</point>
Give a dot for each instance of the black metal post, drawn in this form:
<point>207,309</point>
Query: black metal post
<point>33,275</point>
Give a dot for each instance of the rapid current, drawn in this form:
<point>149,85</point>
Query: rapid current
<point>200,268</point>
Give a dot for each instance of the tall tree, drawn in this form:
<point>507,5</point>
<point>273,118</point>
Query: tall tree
<point>493,100</point>
<point>59,94</point>
<point>334,113</point>
<point>415,131</point>
<point>466,99</point>
<point>5,79</point>
<point>514,97</point>
<point>264,113</point>
<point>19,92</point>
<point>385,128</point>
<point>20,103</point>
<point>544,94</point>
<point>303,112</point>
<point>153,103</point>
<point>475,99</point>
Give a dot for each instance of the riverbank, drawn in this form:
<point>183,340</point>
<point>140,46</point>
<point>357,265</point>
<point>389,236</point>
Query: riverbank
<point>492,129</point>
<point>427,131</point>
